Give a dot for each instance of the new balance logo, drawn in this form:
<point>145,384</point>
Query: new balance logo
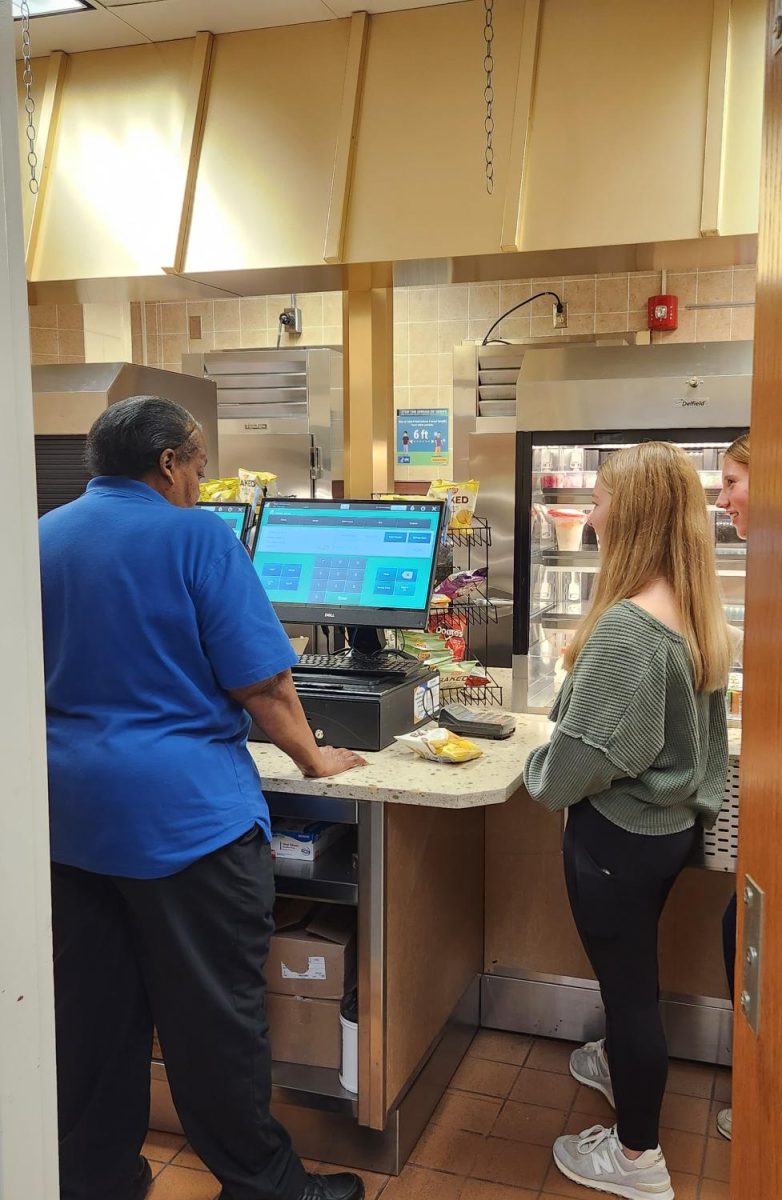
<point>602,1162</point>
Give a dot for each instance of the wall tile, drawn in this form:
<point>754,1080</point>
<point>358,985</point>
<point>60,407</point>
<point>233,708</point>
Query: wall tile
<point>44,341</point>
<point>611,322</point>
<point>401,338</point>
<point>153,350</point>
<point>151,314</point>
<point>332,308</point>
<point>516,326</point>
<point>204,309</point>
<point>401,370</point>
<point>514,293</point>
<point>332,335</point>
<point>401,303</point>
<point>174,346</point>
<point>445,369</point>
<point>173,318</point>
<point>450,334</point>
<point>685,332</point>
<point>226,314</point>
<point>476,330</point>
<point>423,337</point>
<point>422,304</point>
<point>611,294</point>
<point>713,325</point>
<point>453,302</point>
<point>744,283</point>
<point>252,312</point>
<point>203,344</point>
<point>401,396</point>
<point>638,319</point>
<point>70,316</point>
<point>579,323</point>
<point>641,287</point>
<point>715,287</point>
<point>742,325</point>
<point>580,295</point>
<point>484,302</point>
<point>423,369</point>
<point>253,337</point>
<point>544,327</point>
<point>227,339</point>
<point>423,395</point>
<point>683,284</point>
<point>311,310</point>
<point>71,342</point>
<point>43,316</point>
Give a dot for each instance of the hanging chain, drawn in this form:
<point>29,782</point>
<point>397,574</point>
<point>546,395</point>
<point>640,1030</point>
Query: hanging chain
<point>29,103</point>
<point>488,91</point>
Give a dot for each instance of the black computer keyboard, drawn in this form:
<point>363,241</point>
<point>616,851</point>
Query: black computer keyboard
<point>357,664</point>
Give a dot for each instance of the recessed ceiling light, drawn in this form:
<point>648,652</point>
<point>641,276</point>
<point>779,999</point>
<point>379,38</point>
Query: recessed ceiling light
<point>48,8</point>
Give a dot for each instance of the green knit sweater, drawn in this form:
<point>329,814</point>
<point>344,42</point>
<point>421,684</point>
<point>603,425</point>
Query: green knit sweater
<point>632,734</point>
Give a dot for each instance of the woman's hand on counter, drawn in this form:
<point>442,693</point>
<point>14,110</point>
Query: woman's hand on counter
<point>331,761</point>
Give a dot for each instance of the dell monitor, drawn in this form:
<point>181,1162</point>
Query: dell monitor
<point>349,562</point>
<point>236,516</point>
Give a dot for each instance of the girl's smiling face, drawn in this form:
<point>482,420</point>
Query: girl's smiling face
<point>734,495</point>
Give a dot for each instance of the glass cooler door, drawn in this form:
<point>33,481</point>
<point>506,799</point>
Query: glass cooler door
<point>563,553</point>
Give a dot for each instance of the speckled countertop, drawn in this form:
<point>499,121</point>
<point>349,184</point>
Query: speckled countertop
<point>397,776</point>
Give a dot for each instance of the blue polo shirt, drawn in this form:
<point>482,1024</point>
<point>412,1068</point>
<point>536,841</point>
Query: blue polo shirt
<point>151,614</point>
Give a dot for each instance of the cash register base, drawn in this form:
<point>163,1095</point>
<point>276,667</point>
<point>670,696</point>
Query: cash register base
<point>364,713</point>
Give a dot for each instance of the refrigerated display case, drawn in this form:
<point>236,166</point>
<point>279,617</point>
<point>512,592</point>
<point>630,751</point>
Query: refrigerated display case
<point>563,554</point>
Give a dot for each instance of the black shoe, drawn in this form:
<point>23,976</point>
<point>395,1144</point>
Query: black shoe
<point>143,1181</point>
<point>344,1186</point>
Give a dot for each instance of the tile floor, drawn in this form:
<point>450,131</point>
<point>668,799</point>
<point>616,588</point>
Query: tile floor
<point>490,1138</point>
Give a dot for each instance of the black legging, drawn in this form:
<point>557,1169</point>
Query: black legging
<point>618,883</point>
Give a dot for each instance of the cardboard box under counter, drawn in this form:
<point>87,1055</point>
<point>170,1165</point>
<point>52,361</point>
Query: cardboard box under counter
<point>313,952</point>
<point>304,1030</point>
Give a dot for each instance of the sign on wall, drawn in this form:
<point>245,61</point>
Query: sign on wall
<point>422,436</point>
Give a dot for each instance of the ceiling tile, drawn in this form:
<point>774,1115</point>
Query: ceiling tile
<point>95,30</point>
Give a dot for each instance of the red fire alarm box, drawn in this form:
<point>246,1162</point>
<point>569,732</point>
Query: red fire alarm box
<point>663,312</point>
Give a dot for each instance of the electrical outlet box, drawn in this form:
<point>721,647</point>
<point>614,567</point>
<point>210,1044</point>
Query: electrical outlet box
<point>560,318</point>
<point>290,319</point>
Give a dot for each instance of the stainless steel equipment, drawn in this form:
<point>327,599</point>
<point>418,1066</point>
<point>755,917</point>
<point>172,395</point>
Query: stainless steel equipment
<point>68,397</point>
<point>279,411</point>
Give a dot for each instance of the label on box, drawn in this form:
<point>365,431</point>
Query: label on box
<point>316,969</point>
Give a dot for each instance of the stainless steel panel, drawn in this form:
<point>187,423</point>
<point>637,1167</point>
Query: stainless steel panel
<point>666,386</point>
<point>753,898</point>
<point>698,1028</point>
<point>465,405</point>
<point>287,455</point>
<point>717,848</point>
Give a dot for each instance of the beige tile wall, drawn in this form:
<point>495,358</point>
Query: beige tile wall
<point>56,333</point>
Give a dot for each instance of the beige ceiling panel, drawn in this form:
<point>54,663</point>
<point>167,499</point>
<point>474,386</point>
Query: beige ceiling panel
<point>263,188</point>
<point>344,8</point>
<point>618,123</point>
<point>163,19</point>
<point>93,30</point>
<point>117,176</point>
<point>418,187</point>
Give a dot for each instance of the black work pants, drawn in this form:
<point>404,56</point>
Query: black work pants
<point>186,953</point>
<point>618,883</point>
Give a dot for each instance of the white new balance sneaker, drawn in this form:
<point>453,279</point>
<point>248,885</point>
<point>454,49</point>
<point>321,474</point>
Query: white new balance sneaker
<point>725,1123</point>
<point>589,1065</point>
<point>595,1159</point>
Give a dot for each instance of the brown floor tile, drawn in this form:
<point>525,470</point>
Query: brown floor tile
<point>180,1183</point>
<point>690,1079</point>
<point>516,1164</point>
<point>157,1167</point>
<point>479,1189</point>
<point>590,1101</point>
<point>578,1121</point>
<point>162,1147</point>
<point>685,1186</point>
<point>716,1165</point>
<point>462,1110</point>
<point>690,1113</point>
<point>723,1084</point>
<point>550,1055</point>
<point>484,1077</point>
<point>714,1189</point>
<point>547,1088</point>
<point>557,1184</point>
<point>529,1123</point>
<point>500,1046</point>
<point>373,1183</point>
<point>189,1158</point>
<point>683,1151</point>
<point>416,1183</point>
<point>444,1149</point>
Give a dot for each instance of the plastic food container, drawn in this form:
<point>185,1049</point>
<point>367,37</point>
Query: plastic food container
<point>568,526</point>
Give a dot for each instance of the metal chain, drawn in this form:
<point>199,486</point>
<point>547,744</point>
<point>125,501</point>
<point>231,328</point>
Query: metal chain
<point>29,103</point>
<point>488,91</point>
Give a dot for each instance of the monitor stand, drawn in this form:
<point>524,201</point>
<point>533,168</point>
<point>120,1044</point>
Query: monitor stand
<point>365,640</point>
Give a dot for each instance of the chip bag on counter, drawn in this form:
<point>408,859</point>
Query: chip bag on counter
<point>440,745</point>
<point>451,629</point>
<point>461,499</point>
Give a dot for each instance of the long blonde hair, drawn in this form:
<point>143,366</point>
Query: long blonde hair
<point>739,451</point>
<point>657,528</point>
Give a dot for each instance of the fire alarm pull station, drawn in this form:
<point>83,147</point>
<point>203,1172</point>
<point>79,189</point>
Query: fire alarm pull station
<point>663,312</point>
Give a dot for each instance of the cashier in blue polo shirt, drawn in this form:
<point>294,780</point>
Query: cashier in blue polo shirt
<point>159,640</point>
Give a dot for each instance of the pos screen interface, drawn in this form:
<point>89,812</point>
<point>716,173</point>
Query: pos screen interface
<point>349,562</point>
<point>236,516</point>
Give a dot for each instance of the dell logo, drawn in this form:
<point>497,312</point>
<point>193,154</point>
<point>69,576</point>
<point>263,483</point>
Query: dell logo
<point>328,614</point>
<point>693,403</point>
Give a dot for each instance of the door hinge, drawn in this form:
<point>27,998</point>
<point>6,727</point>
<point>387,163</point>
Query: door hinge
<point>751,953</point>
